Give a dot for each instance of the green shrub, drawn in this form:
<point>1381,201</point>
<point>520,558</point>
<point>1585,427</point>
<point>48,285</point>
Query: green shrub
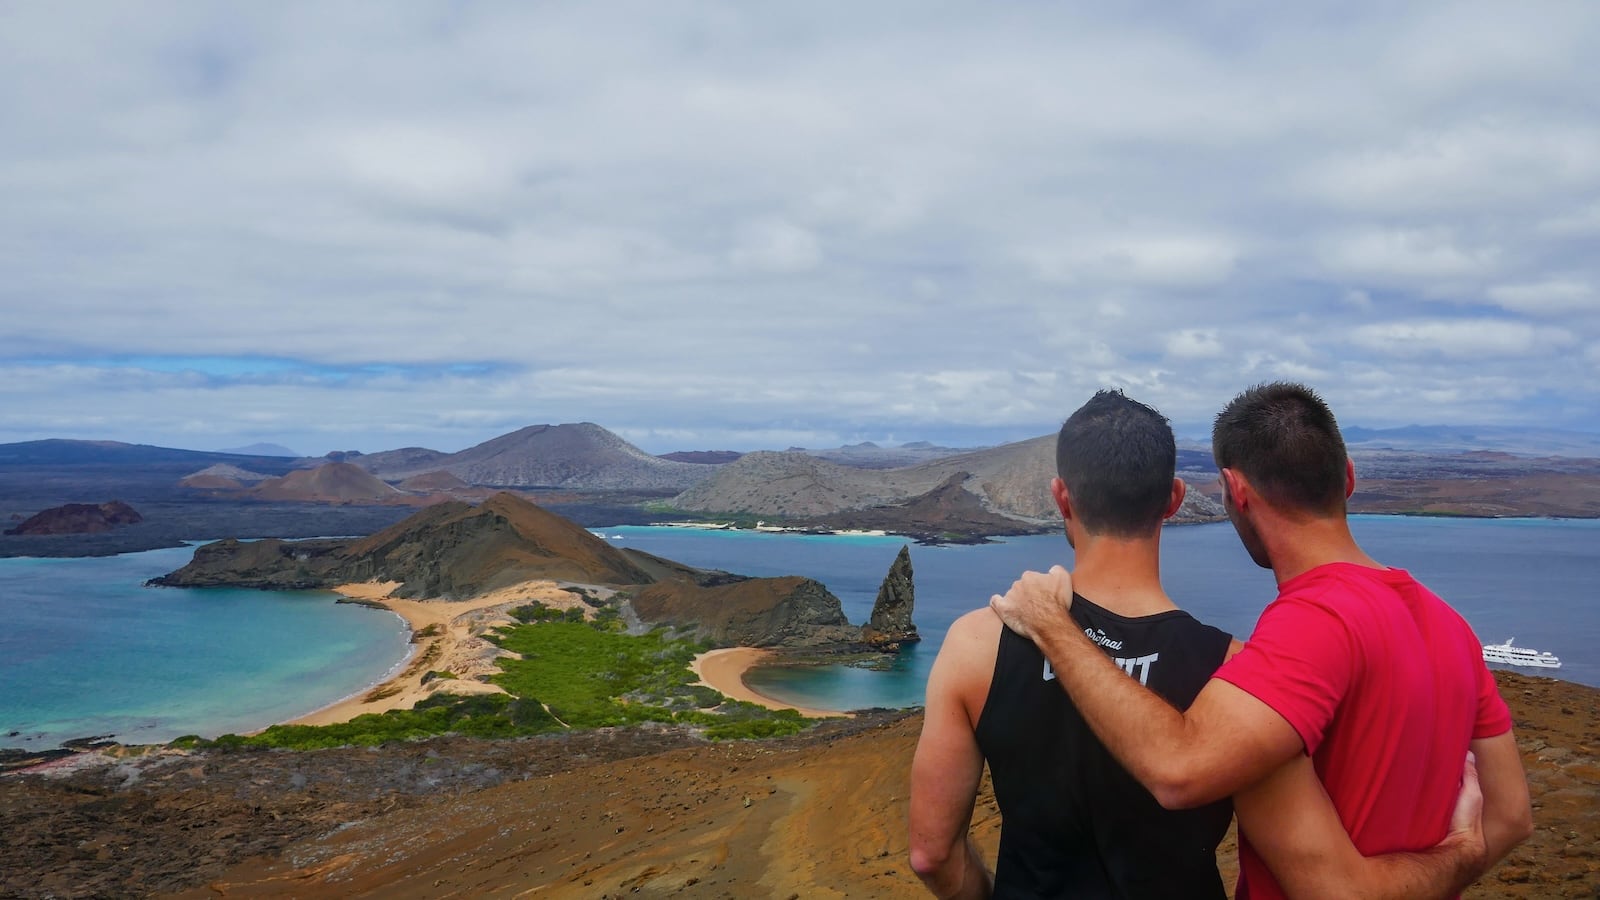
<point>571,675</point>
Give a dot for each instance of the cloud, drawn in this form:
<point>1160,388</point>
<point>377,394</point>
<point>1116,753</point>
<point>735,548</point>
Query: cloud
<point>1407,255</point>
<point>1551,297</point>
<point>1466,339</point>
<point>333,228</point>
<point>1194,343</point>
<point>775,246</point>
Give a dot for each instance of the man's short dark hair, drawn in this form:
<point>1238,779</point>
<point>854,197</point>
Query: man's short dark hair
<point>1283,437</point>
<point>1117,456</point>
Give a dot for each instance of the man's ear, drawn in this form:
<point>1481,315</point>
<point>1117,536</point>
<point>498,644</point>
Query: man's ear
<point>1179,489</point>
<point>1349,477</point>
<point>1058,490</point>
<point>1234,488</point>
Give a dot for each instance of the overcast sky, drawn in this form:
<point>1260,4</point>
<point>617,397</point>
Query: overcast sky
<point>708,226</point>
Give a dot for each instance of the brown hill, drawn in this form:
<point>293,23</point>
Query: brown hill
<point>454,551</point>
<point>451,550</point>
<point>759,612</point>
<point>580,456</point>
<point>334,482</point>
<point>79,518</point>
<point>621,812</point>
<point>949,511</point>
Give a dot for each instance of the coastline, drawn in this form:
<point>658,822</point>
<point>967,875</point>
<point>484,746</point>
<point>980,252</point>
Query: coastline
<point>723,670</point>
<point>446,635</point>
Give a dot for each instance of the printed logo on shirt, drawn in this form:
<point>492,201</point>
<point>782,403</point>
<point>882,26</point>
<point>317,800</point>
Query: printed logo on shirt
<point>1136,666</point>
<point>1101,639</point>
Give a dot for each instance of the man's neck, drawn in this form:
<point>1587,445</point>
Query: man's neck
<point>1121,575</point>
<point>1296,546</point>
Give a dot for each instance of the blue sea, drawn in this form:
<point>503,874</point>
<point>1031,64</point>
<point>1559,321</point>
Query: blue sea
<point>1537,580</point>
<point>85,649</point>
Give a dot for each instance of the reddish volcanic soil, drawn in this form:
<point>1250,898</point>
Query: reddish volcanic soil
<point>645,812</point>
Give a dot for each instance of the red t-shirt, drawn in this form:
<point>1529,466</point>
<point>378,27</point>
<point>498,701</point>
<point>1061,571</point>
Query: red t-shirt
<point>1386,685</point>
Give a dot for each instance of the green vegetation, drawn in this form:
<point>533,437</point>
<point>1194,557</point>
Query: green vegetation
<point>572,674</point>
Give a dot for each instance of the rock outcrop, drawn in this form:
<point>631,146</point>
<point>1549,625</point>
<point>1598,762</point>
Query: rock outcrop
<point>79,518</point>
<point>891,625</point>
<point>758,612</point>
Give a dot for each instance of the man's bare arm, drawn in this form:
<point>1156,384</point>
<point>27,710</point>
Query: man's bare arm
<point>1226,741</point>
<point>1507,811</point>
<point>947,769</point>
<point>1291,822</point>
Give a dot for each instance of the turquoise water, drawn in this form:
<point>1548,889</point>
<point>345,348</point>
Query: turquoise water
<point>1537,580</point>
<point>86,649</point>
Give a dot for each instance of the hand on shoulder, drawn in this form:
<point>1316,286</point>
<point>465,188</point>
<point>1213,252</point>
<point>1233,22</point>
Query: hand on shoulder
<point>1036,602</point>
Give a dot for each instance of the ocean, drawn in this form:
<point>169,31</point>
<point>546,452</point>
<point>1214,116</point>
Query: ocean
<point>87,650</point>
<point>1537,580</point>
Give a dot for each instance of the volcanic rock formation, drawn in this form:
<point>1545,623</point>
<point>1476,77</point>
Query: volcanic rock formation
<point>453,551</point>
<point>79,518</point>
<point>757,612</point>
<point>891,625</point>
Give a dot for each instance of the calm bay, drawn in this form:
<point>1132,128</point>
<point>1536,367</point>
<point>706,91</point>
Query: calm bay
<point>87,650</point>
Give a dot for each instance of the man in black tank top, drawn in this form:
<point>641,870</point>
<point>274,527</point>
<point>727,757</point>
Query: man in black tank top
<point>1074,822</point>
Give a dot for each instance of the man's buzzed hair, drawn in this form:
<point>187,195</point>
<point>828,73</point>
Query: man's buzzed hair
<point>1117,456</point>
<point>1283,437</point>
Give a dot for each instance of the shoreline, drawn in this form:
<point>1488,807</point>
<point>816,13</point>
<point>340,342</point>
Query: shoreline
<point>446,635</point>
<point>723,670</point>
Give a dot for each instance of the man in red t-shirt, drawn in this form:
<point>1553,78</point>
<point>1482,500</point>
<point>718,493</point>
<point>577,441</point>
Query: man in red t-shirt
<point>1356,669</point>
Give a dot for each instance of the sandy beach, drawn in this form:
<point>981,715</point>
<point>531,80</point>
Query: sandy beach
<point>723,670</point>
<point>448,637</point>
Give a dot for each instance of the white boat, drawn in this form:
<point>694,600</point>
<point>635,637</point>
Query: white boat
<point>1519,656</point>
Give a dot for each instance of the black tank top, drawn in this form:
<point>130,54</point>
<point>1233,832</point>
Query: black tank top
<point>1074,823</point>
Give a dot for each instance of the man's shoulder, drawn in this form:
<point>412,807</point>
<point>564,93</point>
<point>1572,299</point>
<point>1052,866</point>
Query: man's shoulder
<point>978,625</point>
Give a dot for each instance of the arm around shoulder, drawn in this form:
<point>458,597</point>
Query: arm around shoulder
<point>1292,824</point>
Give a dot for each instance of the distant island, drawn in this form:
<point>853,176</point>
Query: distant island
<point>928,493</point>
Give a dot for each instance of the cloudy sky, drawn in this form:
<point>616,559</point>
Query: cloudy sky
<point>703,225</point>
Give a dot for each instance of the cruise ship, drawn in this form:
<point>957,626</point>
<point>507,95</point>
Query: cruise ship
<point>1519,656</point>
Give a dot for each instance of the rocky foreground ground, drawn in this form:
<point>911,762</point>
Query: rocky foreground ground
<point>641,812</point>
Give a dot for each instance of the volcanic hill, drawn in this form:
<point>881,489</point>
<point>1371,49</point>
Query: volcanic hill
<point>79,518</point>
<point>340,481</point>
<point>580,456</point>
<point>454,551</point>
